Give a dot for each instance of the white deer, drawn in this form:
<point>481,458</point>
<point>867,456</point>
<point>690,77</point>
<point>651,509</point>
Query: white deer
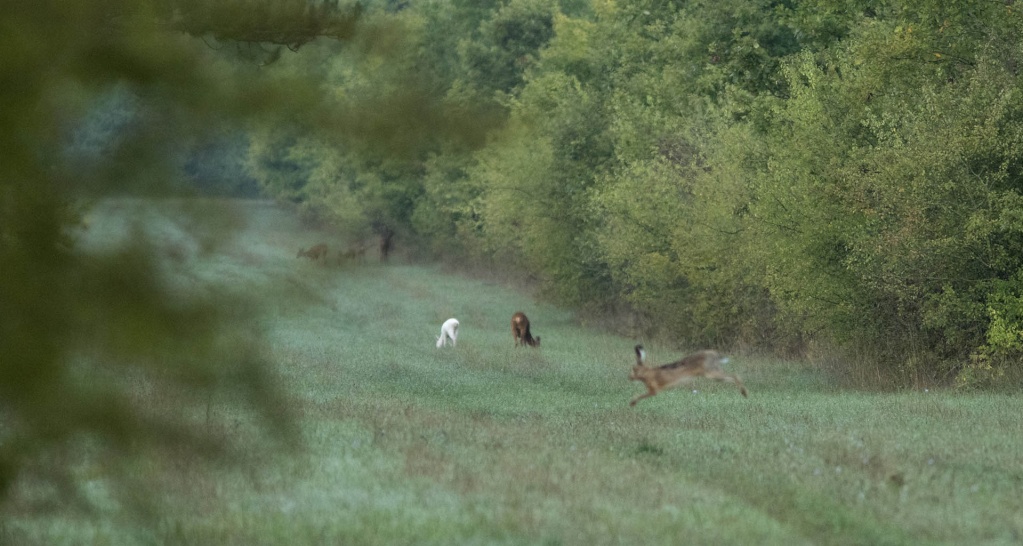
<point>448,333</point>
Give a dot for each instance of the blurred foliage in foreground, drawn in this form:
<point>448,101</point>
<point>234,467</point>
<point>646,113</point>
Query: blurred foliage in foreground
<point>101,350</point>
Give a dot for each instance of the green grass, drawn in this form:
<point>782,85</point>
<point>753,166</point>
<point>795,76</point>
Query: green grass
<point>402,443</point>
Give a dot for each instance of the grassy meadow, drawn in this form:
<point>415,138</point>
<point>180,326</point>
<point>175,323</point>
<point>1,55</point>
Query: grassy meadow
<point>399,442</point>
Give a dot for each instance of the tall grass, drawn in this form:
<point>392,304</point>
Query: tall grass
<point>404,443</point>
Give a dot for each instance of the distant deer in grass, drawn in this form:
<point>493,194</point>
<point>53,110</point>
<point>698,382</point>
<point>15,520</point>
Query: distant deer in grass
<point>702,364</point>
<point>314,252</point>
<point>520,331</point>
<point>354,252</point>
<point>448,333</point>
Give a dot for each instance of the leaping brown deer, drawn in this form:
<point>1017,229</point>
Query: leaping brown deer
<point>314,252</point>
<point>702,364</point>
<point>520,331</point>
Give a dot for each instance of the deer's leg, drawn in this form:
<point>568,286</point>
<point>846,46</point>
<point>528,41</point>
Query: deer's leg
<point>650,392</point>
<point>729,378</point>
<point>742,388</point>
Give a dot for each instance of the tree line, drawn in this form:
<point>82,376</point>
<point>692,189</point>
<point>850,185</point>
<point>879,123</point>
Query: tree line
<point>786,175</point>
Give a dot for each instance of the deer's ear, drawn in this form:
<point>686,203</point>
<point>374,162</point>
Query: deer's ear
<point>640,354</point>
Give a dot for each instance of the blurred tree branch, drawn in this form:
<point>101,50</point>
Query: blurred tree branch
<point>290,23</point>
<point>85,333</point>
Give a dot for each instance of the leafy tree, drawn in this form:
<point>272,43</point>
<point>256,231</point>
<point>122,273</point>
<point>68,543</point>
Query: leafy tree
<point>506,44</point>
<point>677,73</point>
<point>535,180</point>
<point>363,171</point>
<point>874,192</point>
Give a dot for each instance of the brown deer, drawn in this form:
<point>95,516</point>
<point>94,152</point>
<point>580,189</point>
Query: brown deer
<point>314,253</point>
<point>520,331</point>
<point>702,364</point>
